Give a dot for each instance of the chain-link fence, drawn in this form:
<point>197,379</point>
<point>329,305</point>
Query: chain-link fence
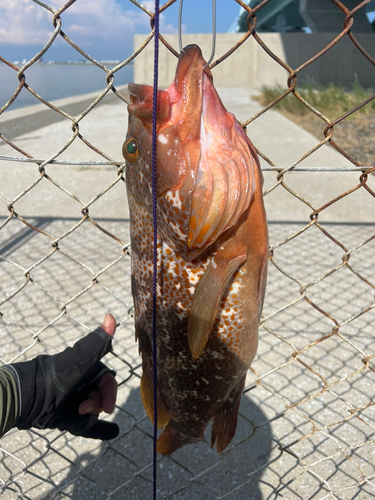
<point>306,420</point>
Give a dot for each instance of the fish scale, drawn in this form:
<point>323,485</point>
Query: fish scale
<point>212,254</point>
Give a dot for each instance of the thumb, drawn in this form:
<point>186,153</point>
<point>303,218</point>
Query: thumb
<point>76,364</point>
<point>109,324</point>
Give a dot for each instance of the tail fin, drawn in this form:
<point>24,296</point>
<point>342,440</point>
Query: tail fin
<point>171,440</point>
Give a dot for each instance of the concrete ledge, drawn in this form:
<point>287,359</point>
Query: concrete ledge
<point>24,120</point>
<point>250,66</point>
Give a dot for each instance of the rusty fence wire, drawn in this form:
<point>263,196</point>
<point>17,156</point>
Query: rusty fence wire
<point>307,421</point>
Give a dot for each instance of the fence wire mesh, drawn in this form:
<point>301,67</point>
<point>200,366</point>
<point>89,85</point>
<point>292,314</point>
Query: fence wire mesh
<point>306,423</point>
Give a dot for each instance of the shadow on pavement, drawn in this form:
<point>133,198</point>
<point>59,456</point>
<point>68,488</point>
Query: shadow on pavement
<point>194,472</point>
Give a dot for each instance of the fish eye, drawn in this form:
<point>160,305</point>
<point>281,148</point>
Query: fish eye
<point>130,149</point>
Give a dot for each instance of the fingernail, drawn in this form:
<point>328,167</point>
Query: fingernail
<point>87,410</point>
<point>107,321</point>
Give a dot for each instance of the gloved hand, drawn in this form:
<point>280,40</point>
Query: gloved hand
<point>68,390</point>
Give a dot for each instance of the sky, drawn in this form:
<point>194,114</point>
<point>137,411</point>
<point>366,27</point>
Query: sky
<point>103,28</point>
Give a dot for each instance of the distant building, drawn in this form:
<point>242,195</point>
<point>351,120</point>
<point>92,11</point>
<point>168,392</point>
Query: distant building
<point>111,62</point>
<point>310,16</point>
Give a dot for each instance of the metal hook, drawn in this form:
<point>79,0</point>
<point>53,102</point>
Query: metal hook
<point>180,27</point>
<point>213,30</point>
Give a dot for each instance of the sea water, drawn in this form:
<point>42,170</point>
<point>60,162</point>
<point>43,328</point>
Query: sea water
<point>56,81</point>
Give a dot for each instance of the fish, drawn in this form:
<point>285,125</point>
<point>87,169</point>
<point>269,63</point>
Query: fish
<point>212,254</point>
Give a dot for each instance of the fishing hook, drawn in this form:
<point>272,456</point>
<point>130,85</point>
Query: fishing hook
<point>213,30</point>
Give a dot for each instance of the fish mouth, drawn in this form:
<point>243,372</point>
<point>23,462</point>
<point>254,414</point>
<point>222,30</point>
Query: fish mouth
<point>184,94</point>
<point>190,69</point>
<point>187,94</point>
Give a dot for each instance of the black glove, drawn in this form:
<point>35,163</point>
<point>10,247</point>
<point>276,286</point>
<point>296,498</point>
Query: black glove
<point>51,388</point>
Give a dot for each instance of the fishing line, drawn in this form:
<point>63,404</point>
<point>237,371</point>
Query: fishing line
<point>155,231</point>
<point>179,30</point>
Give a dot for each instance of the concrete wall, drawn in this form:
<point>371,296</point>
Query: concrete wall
<point>250,66</point>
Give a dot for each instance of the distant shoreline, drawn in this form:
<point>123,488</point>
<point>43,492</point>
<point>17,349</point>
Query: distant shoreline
<point>72,63</point>
<point>58,81</point>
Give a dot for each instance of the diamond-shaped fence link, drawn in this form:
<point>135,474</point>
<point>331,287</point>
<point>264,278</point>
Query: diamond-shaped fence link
<point>306,423</point>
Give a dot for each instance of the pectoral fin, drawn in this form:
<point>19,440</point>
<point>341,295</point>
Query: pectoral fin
<point>206,300</point>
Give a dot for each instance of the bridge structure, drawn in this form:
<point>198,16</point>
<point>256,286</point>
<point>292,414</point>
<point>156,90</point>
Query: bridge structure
<point>311,16</point>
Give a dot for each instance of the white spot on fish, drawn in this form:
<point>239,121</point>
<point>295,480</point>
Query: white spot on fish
<point>171,268</point>
<point>162,139</point>
<point>214,265</point>
<point>174,198</point>
<point>193,278</point>
<point>178,231</point>
<point>181,315</point>
<point>192,290</point>
<point>178,286</point>
<point>235,288</point>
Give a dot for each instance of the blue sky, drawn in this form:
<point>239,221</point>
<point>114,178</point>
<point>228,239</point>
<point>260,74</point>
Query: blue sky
<point>103,28</point>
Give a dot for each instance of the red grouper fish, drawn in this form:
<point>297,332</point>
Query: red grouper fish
<point>212,253</point>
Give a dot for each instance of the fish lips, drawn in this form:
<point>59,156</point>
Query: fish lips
<point>188,82</point>
<point>190,69</point>
<point>141,103</point>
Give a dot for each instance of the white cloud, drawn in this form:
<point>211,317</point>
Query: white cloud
<point>86,22</point>
<point>165,28</point>
<point>23,22</point>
